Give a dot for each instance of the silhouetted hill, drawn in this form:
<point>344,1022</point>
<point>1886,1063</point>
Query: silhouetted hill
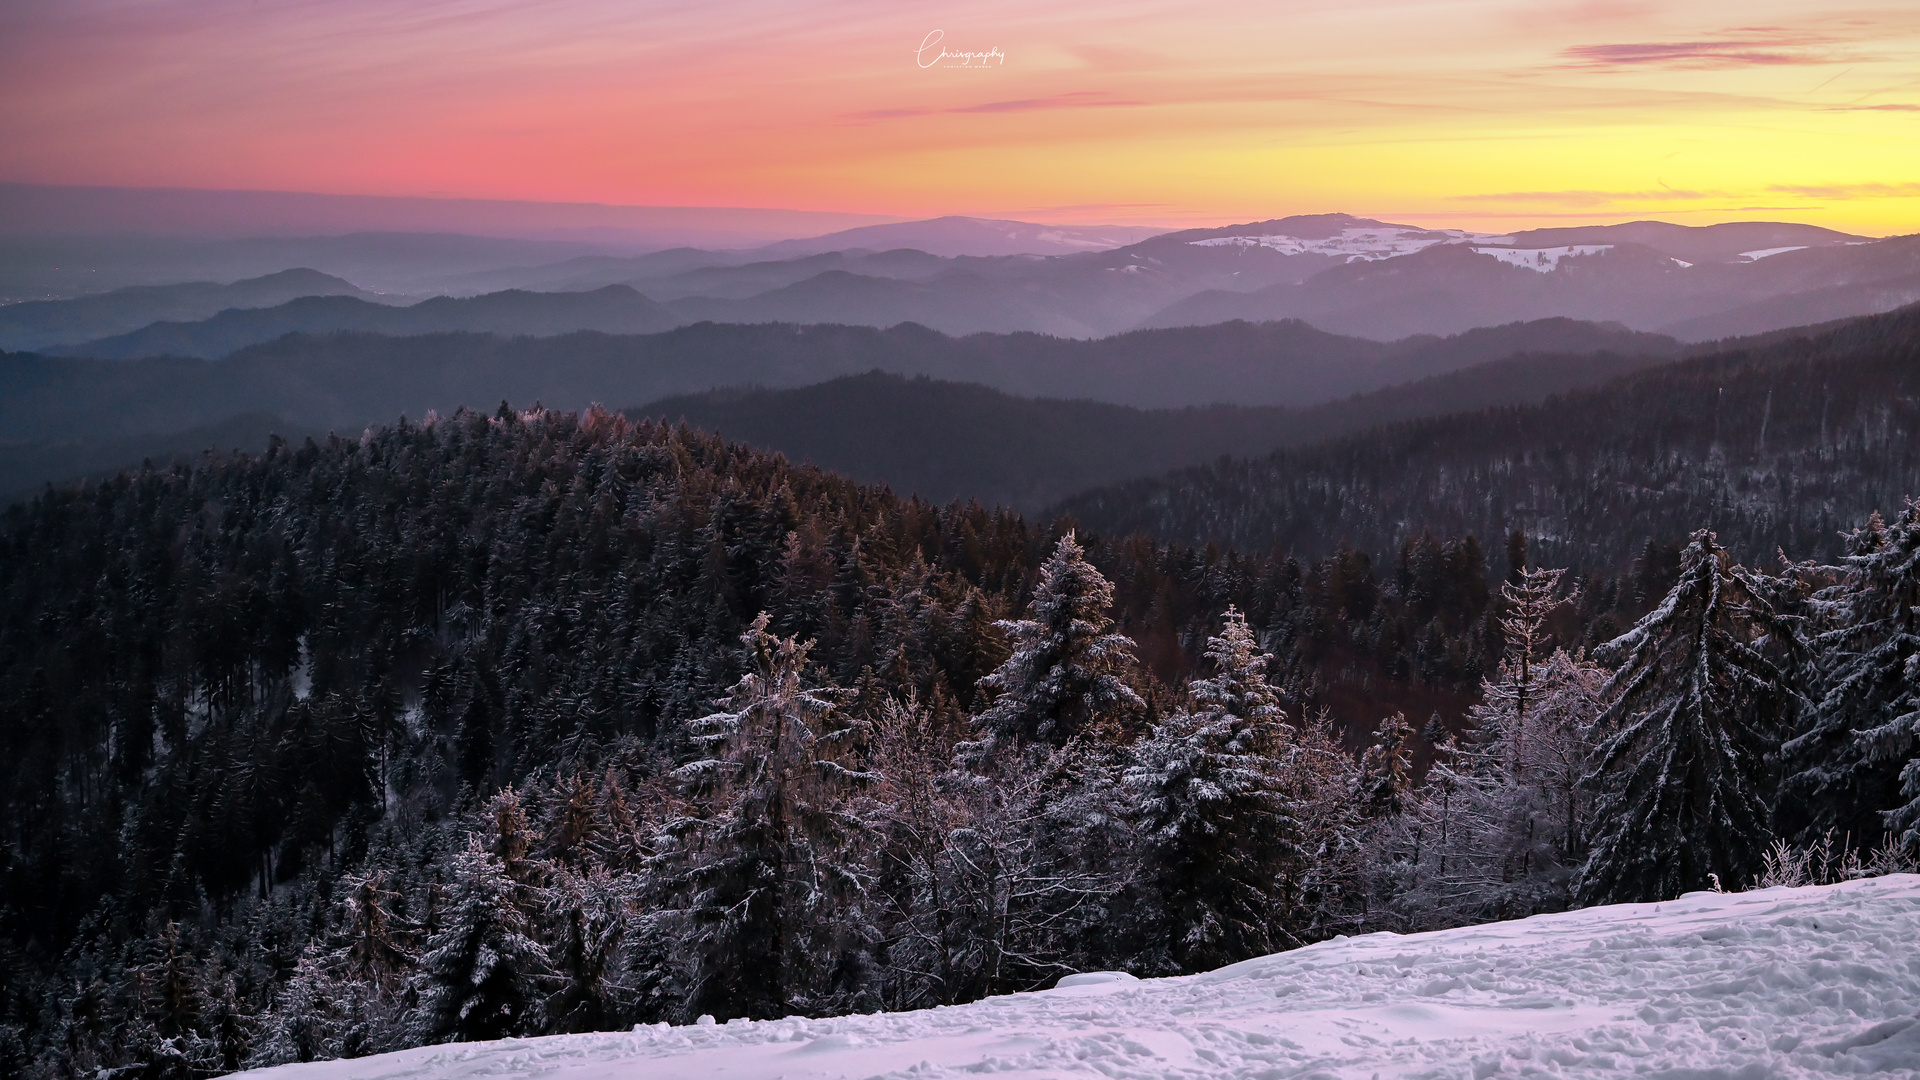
<point>615,309</point>
<point>1776,445</point>
<point>26,468</point>
<point>41,323</point>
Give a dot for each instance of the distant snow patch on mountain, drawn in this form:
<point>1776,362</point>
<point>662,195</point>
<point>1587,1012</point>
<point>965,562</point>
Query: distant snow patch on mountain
<point>1756,256</point>
<point>1357,244</point>
<point>1543,260</point>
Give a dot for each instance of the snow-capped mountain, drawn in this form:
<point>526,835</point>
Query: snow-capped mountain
<point>1807,982</point>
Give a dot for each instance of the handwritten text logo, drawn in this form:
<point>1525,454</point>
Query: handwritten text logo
<point>931,54</point>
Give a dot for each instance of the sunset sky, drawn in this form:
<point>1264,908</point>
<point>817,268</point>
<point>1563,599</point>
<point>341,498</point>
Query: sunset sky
<point>1491,114</point>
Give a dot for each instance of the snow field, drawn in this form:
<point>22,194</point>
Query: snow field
<point>1542,260</point>
<point>1777,983</point>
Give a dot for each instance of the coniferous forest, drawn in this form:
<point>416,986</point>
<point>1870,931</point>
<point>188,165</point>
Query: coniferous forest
<point>529,722</point>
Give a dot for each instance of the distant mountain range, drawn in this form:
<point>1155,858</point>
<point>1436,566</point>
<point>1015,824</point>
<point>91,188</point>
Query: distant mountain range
<point>1717,281</point>
<point>1341,274</point>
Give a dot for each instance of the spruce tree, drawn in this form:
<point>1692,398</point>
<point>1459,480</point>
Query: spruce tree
<point>1847,766</point>
<point>1385,777</point>
<point>1221,836</point>
<point>1066,670</point>
<point>774,907</point>
<point>1698,703</point>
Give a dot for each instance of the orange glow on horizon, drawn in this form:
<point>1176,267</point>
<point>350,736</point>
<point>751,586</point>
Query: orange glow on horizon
<point>1494,115</point>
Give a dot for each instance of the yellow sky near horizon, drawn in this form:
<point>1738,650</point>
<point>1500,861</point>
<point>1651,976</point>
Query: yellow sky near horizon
<point>1494,115</point>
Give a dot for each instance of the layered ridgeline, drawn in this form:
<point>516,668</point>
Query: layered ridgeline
<point>345,382</point>
<point>1778,446</point>
<point>37,324</point>
<point>1337,272</point>
<point>531,723</point>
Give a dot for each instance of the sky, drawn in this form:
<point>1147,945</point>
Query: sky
<point>1498,114</point>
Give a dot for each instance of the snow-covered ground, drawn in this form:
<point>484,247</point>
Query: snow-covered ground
<point>1777,983</point>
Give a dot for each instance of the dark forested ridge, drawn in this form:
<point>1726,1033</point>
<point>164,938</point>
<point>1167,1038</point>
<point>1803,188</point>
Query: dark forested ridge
<point>946,440</point>
<point>1780,446</point>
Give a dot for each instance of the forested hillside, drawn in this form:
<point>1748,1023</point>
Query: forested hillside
<point>1779,446</point>
<point>534,722</point>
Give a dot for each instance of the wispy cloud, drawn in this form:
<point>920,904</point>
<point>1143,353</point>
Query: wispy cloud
<point>1085,99</point>
<point>1873,108</point>
<point>1579,197</point>
<point>1851,191</point>
<point>1753,46</point>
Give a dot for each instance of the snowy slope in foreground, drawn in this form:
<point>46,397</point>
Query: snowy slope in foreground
<point>1778,983</point>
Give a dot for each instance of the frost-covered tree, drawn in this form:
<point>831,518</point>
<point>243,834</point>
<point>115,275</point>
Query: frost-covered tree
<point>1385,778</point>
<point>1039,852</point>
<point>1222,837</point>
<point>1503,820</point>
<point>377,949</point>
<point>587,916</point>
<point>315,1016</point>
<point>479,976</point>
<point>1697,704</point>
<point>777,924</point>
<point>1847,766</point>
<point>1066,670</point>
<point>1505,701</point>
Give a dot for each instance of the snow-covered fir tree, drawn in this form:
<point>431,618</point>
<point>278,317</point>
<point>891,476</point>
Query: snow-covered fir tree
<point>1067,669</point>
<point>1222,836</point>
<point>1698,702</point>
<point>479,977</point>
<point>1854,767</point>
<point>777,892</point>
